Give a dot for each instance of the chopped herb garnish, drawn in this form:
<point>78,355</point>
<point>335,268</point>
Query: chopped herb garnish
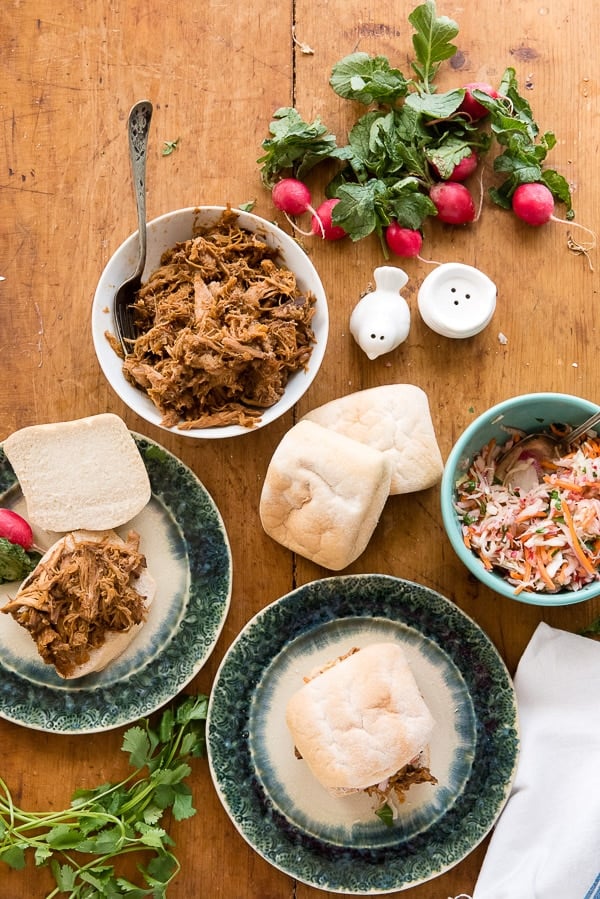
<point>385,814</point>
<point>169,146</point>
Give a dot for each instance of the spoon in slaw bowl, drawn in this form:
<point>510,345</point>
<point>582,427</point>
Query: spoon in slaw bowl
<point>523,463</point>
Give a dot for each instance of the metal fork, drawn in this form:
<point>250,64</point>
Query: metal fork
<point>138,126</point>
<point>587,425</point>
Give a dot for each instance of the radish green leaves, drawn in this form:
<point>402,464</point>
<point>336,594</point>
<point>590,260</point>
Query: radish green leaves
<point>431,41</point>
<point>294,144</point>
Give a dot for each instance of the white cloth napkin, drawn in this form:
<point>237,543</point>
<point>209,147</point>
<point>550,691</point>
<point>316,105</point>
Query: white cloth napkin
<point>546,844</point>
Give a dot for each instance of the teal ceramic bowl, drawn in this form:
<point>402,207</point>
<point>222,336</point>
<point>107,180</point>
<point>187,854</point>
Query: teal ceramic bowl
<point>529,412</point>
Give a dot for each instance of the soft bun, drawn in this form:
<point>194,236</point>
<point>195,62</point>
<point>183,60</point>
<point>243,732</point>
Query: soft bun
<point>396,420</point>
<point>83,474</point>
<point>361,720</point>
<point>323,494</point>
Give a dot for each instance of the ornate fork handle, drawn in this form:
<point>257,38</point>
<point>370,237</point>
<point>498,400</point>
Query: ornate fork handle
<point>139,126</point>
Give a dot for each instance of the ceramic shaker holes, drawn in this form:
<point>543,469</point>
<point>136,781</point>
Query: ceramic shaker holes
<point>457,300</point>
<point>380,321</point>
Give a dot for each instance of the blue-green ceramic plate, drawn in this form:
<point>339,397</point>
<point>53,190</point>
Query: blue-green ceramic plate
<point>339,844</point>
<point>186,546</point>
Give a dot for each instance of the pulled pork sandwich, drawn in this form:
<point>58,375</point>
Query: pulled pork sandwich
<point>85,601</point>
<point>361,724</point>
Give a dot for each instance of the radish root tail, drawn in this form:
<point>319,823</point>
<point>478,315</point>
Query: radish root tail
<point>307,233</point>
<point>478,215</point>
<point>428,261</point>
<point>579,247</point>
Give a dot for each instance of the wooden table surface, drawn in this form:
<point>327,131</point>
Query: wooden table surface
<point>216,71</point>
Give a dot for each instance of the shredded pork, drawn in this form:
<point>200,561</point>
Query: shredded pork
<point>400,783</point>
<point>221,328</point>
<point>77,596</point>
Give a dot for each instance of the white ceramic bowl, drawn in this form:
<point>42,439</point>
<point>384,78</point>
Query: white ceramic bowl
<point>163,233</point>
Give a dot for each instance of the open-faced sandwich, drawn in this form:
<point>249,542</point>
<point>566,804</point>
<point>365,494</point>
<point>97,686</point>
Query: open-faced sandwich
<point>85,601</point>
<point>361,724</point>
<point>90,593</point>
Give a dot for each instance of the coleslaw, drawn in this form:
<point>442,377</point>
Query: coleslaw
<point>544,534</point>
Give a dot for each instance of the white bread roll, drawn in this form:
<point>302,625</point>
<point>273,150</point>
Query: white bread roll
<point>83,474</point>
<point>323,494</point>
<point>116,642</point>
<point>361,720</point>
<point>396,420</point>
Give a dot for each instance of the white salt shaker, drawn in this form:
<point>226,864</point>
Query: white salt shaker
<point>457,300</point>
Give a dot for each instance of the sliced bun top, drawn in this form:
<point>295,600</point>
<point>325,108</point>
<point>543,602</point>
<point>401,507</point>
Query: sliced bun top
<point>361,720</point>
<point>84,474</point>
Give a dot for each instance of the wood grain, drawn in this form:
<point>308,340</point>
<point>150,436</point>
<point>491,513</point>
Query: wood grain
<point>215,73</point>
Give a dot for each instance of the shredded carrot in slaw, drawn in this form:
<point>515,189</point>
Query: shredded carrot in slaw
<point>575,539</point>
<point>542,538</point>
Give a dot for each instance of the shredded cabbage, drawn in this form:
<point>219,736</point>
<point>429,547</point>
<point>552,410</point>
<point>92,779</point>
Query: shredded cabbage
<point>544,538</point>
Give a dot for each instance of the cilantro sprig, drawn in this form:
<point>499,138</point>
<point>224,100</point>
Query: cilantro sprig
<point>592,629</point>
<point>409,136</point>
<point>81,844</point>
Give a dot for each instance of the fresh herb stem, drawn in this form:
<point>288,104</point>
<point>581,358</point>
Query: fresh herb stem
<point>117,819</point>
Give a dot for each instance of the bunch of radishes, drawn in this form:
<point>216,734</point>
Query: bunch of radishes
<point>409,155</point>
<point>454,203</point>
<point>452,199</point>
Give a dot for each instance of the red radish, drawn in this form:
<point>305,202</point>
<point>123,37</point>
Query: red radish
<point>470,106</point>
<point>322,221</point>
<point>403,241</point>
<point>461,170</point>
<point>533,203</point>
<point>464,168</point>
<point>292,196</point>
<point>14,528</point>
<point>453,202</point>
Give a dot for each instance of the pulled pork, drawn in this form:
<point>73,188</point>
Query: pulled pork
<point>81,592</point>
<point>401,782</point>
<point>221,328</point>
